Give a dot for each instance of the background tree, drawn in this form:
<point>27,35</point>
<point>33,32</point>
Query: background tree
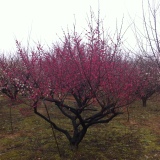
<point>148,76</point>
<point>148,41</point>
<point>8,80</point>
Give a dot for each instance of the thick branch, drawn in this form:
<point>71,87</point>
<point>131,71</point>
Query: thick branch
<point>103,121</point>
<point>52,123</point>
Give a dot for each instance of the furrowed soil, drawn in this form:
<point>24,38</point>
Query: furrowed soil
<point>25,136</point>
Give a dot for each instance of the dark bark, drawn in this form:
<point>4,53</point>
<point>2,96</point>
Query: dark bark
<point>80,124</point>
<point>77,135</point>
<point>77,138</point>
<point>144,101</point>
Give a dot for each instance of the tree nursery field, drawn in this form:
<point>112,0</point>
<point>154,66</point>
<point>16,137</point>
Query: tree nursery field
<point>133,136</point>
<point>85,97</point>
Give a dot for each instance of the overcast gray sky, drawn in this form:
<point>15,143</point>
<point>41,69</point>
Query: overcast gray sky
<point>41,20</point>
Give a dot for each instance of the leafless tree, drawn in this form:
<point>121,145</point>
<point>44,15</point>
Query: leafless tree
<point>148,39</point>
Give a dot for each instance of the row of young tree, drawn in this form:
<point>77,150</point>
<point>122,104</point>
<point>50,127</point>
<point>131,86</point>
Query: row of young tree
<point>92,70</point>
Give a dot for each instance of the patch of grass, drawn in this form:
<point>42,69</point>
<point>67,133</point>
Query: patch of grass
<point>32,137</point>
